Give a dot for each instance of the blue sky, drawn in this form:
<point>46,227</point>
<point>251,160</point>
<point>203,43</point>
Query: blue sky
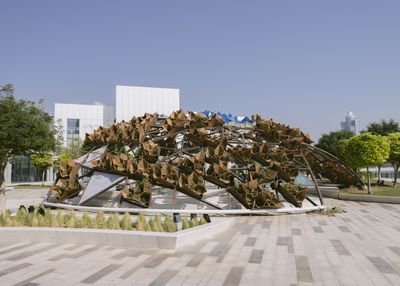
<point>304,63</point>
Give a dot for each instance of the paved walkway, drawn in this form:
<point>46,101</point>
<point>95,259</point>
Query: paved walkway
<point>360,247</point>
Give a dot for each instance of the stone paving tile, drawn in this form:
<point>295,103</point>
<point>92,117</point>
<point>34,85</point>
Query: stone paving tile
<point>14,268</point>
<point>296,231</point>
<point>164,277</point>
<point>101,273</point>
<point>75,255</point>
<point>223,253</point>
<point>300,249</point>
<point>234,276</point>
<point>344,228</point>
<point>29,253</point>
<point>381,265</point>
<point>15,248</point>
<point>29,280</point>
<point>339,247</point>
<point>318,229</point>
<point>256,256</point>
<point>250,241</point>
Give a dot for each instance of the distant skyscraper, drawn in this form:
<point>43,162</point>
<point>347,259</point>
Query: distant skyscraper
<point>350,123</point>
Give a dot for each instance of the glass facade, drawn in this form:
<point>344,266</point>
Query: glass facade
<point>72,132</point>
<point>24,171</point>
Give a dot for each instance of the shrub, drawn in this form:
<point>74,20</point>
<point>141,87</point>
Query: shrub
<point>35,220</point>
<point>169,224</point>
<point>185,224</point>
<point>20,217</point>
<point>202,220</point>
<point>99,221</point>
<point>152,225</point>
<point>140,222</point>
<point>113,222</point>
<point>2,220</point>
<point>71,220</point>
<point>126,222</point>
<point>86,221</point>
<point>158,224</point>
<point>147,227</point>
<point>39,217</point>
<point>59,219</point>
<point>193,222</point>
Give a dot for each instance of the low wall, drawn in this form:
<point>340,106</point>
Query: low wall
<point>121,238</point>
<point>334,193</point>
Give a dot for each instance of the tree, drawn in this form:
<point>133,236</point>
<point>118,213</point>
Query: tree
<point>341,150</point>
<point>25,128</point>
<point>394,155</point>
<point>367,150</point>
<point>67,153</point>
<point>383,128</point>
<point>330,142</point>
<point>42,161</point>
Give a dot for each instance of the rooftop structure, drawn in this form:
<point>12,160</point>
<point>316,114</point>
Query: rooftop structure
<point>136,101</point>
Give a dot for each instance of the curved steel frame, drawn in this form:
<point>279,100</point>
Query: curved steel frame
<point>184,151</point>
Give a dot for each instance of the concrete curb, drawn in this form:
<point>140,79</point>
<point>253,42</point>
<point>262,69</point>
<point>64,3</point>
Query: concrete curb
<point>336,194</point>
<point>121,238</point>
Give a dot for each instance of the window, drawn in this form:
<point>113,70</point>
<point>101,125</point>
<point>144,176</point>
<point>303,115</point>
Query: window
<point>72,126</point>
<point>72,132</point>
<point>24,171</point>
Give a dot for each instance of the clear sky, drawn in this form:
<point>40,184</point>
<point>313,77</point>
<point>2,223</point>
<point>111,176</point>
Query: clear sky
<point>304,63</point>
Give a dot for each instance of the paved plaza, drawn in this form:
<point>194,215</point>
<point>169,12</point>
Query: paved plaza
<point>359,247</point>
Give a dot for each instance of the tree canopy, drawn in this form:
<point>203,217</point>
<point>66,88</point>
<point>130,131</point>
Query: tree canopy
<point>25,128</point>
<point>394,154</point>
<point>365,150</point>
<point>330,142</point>
<point>383,127</point>
<point>42,161</point>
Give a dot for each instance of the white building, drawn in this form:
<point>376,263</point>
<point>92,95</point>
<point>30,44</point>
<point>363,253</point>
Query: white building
<point>135,101</point>
<point>79,119</point>
<point>350,123</point>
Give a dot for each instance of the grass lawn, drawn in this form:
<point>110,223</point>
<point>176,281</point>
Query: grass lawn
<point>386,190</point>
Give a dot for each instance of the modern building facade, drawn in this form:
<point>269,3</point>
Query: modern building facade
<point>350,123</point>
<point>136,100</point>
<point>79,119</point>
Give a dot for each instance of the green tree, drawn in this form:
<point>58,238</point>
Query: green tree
<point>67,153</point>
<point>367,150</point>
<point>330,142</point>
<point>25,128</point>
<point>341,149</point>
<point>394,155</point>
<point>383,127</point>
<point>42,161</point>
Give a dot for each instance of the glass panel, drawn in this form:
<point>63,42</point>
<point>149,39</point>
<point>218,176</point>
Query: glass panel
<point>22,170</point>
<point>72,126</point>
<point>99,182</point>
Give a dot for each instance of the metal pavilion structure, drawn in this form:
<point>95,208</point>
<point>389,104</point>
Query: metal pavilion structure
<point>255,164</point>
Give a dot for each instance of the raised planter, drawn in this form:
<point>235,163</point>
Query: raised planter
<point>334,193</point>
<point>121,238</point>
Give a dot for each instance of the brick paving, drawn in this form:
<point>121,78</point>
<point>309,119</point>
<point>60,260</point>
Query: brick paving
<point>359,247</point>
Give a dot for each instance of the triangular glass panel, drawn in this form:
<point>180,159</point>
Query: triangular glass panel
<point>99,183</point>
<point>94,155</point>
<point>81,159</point>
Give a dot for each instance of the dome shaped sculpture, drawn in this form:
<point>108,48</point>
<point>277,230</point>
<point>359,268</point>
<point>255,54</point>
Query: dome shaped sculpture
<point>253,162</point>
